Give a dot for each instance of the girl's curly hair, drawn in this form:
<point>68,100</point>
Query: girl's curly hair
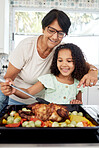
<point>81,67</point>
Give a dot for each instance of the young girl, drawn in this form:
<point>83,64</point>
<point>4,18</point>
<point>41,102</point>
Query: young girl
<point>68,67</point>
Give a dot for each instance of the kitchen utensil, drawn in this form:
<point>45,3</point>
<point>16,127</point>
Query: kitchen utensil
<point>40,100</point>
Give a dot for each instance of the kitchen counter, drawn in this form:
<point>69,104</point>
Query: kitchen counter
<point>82,145</point>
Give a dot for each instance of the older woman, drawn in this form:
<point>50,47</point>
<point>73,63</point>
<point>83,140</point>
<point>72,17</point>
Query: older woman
<point>33,56</point>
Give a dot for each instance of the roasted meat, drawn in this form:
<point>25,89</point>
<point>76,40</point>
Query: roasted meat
<point>53,112</point>
<point>41,111</point>
<point>58,112</point>
<point>26,114</point>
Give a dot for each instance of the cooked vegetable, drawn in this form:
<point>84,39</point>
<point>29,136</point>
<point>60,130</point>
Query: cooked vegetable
<point>71,125</point>
<point>79,124</point>
<point>85,123</point>
<point>74,113</point>
<point>25,109</point>
<point>4,121</point>
<point>67,121</point>
<point>73,122</point>
<point>33,119</point>
<point>22,120</point>
<point>31,123</point>
<point>28,125</point>
<point>63,124</point>
<point>10,119</point>
<point>17,119</point>
<point>25,123</point>
<point>12,113</point>
<point>16,115</point>
<point>77,118</point>
<point>80,114</point>
<point>55,124</point>
<point>47,124</point>
<point>13,125</point>
<point>38,123</point>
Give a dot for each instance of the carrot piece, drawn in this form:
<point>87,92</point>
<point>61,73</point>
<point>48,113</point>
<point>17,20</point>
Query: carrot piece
<point>13,125</point>
<point>85,123</point>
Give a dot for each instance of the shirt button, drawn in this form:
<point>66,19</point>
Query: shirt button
<point>66,86</point>
<point>64,97</point>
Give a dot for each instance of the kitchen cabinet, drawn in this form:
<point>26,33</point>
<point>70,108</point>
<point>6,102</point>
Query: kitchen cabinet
<point>4,26</point>
<point>85,96</point>
<point>93,95</point>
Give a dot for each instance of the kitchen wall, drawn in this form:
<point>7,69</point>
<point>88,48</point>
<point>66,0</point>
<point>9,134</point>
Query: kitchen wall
<point>65,4</point>
<point>4,26</point>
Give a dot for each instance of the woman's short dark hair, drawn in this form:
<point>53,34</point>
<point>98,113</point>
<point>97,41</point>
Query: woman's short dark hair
<point>62,18</point>
<point>81,68</point>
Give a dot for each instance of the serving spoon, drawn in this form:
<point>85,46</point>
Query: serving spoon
<point>40,100</point>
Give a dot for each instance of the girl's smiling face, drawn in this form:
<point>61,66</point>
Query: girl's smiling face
<point>65,62</point>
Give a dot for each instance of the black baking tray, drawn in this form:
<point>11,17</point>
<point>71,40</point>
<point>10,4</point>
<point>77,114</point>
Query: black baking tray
<point>50,134</point>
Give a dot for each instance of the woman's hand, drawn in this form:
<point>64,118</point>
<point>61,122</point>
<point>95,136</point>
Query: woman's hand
<point>75,101</point>
<point>90,79</point>
<point>6,88</point>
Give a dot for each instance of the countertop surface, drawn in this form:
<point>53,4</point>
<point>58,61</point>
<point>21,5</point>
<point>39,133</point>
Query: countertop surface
<point>82,145</point>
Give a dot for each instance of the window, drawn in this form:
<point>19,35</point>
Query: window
<point>89,45</point>
<point>84,30</point>
<point>27,23</point>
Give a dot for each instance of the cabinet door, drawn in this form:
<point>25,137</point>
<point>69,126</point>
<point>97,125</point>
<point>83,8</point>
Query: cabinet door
<point>93,95</point>
<point>1,25</point>
<point>85,97</point>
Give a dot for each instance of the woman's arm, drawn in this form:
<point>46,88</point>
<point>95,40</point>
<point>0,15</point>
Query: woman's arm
<point>8,90</point>
<point>91,78</point>
<point>10,75</point>
<point>12,72</point>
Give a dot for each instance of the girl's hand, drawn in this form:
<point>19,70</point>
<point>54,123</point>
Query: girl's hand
<point>6,88</point>
<point>75,101</point>
<point>90,79</point>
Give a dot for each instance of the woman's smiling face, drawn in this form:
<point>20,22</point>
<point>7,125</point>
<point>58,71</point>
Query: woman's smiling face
<point>65,62</point>
<point>52,39</point>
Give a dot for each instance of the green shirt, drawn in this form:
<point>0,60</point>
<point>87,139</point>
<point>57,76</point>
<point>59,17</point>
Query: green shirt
<point>58,92</point>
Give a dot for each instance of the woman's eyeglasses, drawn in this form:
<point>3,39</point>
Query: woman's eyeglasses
<point>52,31</point>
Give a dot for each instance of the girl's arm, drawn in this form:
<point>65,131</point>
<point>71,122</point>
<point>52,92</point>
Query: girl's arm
<point>34,89</point>
<point>78,99</point>
<point>79,96</point>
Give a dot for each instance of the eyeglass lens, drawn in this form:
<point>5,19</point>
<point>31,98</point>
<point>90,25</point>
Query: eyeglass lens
<point>53,31</point>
